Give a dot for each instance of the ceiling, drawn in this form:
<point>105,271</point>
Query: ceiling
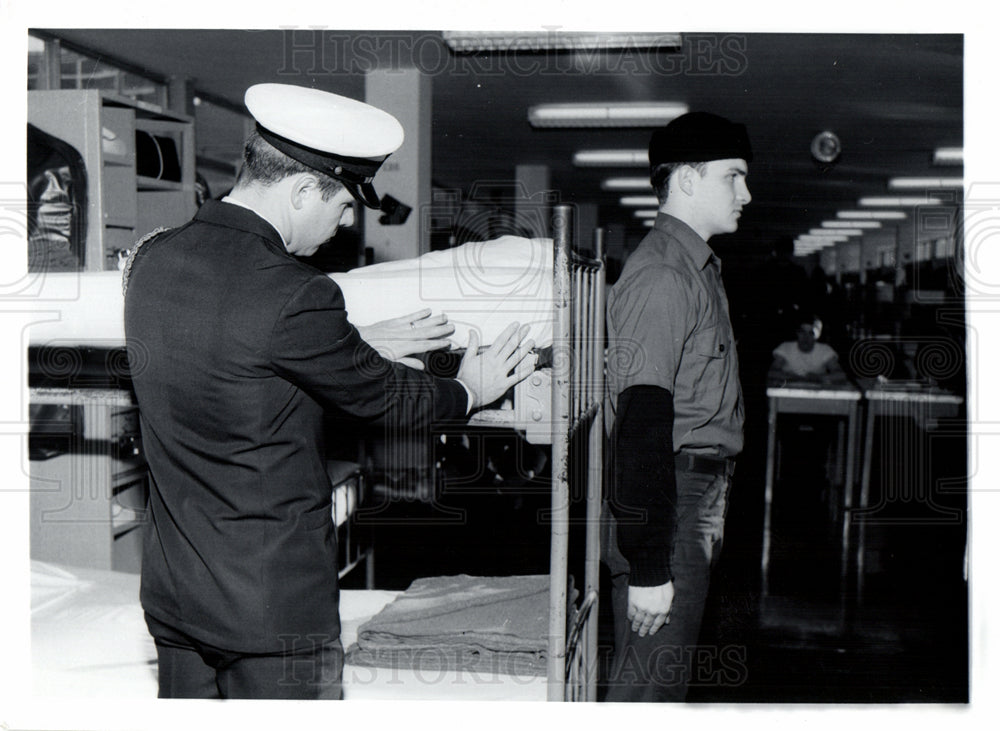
<point>891,99</point>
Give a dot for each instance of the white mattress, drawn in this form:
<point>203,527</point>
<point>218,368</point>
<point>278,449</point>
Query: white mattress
<point>480,285</point>
<point>89,641</point>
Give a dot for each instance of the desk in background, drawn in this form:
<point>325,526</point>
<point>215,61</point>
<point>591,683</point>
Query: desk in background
<point>923,403</point>
<point>842,400</point>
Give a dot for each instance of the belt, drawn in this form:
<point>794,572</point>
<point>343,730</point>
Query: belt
<point>706,464</point>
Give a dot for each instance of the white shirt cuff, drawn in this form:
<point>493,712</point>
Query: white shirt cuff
<point>468,392</point>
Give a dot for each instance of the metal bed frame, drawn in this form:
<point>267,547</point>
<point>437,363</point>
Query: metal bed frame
<point>576,412</point>
<point>563,407</point>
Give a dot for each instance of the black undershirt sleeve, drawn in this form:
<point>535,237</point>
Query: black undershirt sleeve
<point>643,489</point>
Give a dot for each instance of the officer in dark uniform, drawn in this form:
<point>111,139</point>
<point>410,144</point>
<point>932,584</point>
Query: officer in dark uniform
<point>676,407</point>
<point>237,349</point>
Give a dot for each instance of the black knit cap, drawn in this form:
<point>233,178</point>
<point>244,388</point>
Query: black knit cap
<point>699,137</point>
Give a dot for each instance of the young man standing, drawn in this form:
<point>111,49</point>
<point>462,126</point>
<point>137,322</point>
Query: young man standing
<point>675,405</point>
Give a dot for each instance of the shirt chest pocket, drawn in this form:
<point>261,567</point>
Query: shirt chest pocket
<point>706,368</point>
<point>711,342</point>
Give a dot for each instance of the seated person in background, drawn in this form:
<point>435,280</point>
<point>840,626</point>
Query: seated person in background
<point>805,358</point>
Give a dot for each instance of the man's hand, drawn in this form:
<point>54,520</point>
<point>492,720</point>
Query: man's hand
<point>400,337</point>
<point>490,374</point>
<point>649,607</point>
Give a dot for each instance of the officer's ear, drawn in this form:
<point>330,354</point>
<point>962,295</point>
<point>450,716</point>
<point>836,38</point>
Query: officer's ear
<point>303,187</point>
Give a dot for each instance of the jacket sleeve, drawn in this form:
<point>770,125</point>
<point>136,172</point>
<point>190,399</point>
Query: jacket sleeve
<point>315,347</point>
<point>643,490</point>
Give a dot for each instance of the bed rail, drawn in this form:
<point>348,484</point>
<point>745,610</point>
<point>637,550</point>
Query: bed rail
<point>577,404</point>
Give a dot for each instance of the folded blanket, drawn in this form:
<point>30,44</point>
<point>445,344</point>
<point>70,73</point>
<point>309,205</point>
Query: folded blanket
<point>479,624</point>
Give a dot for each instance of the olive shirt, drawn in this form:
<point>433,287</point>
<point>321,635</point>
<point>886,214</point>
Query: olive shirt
<point>668,326</point>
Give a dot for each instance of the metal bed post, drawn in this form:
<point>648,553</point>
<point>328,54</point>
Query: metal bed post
<point>595,461</point>
<point>559,548</point>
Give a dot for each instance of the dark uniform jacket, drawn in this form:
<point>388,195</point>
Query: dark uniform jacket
<point>236,349</point>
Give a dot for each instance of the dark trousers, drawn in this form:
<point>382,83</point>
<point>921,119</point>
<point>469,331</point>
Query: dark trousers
<point>309,670</point>
<point>660,667</point>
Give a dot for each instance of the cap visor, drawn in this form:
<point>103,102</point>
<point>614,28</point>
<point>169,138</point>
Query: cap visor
<point>364,193</point>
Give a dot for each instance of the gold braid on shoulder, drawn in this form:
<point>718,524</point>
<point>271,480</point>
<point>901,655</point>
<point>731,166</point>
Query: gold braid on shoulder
<point>127,269</point>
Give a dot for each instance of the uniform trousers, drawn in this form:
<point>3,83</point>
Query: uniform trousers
<point>660,667</point>
<point>311,668</point>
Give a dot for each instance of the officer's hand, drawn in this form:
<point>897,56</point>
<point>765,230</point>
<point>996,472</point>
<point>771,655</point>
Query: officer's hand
<point>490,374</point>
<point>649,607</point>
<point>400,337</point>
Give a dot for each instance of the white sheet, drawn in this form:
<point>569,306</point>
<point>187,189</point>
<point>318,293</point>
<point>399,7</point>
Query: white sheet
<point>482,285</point>
<point>89,640</point>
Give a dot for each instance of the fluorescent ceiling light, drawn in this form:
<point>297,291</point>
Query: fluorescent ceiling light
<point>625,114</point>
<point>949,156</point>
<point>649,222</point>
<point>639,200</point>
<point>626,184</point>
<point>873,215</point>
<point>611,158</point>
<point>835,232</point>
<point>646,213</point>
<point>824,240</point>
<point>923,183</point>
<point>808,246</point>
<point>904,201</point>
<point>851,224</point>
<point>470,41</point>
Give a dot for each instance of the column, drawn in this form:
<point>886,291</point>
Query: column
<point>532,207</point>
<point>406,175</point>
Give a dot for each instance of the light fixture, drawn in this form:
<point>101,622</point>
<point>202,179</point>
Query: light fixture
<point>611,158</point>
<point>823,237</point>
<point>872,215</point>
<point>824,240</point>
<point>904,201</point>
<point>923,183</point>
<point>809,247</point>
<point>472,41</point>
<point>835,232</point>
<point>649,222</point>
<point>825,147</point>
<point>626,184</point>
<point>639,201</point>
<point>850,224</point>
<point>645,213</point>
<point>625,114</point>
<point>949,156</point>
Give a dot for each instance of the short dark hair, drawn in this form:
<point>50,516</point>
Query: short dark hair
<point>265,164</point>
<point>659,176</point>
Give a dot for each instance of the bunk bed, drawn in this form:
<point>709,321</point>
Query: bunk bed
<point>559,292</point>
<point>561,406</point>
